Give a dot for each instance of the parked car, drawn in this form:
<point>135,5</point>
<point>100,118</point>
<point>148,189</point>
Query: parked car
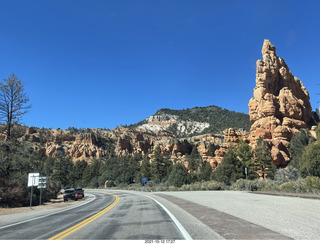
<point>79,193</point>
<point>69,194</point>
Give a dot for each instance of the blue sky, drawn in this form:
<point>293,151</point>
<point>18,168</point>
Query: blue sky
<point>105,63</point>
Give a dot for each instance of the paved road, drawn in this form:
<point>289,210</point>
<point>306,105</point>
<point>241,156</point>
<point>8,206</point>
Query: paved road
<point>204,215</point>
<point>120,216</point>
<point>256,216</point>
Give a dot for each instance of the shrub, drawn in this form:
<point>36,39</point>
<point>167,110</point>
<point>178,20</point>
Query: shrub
<point>214,185</point>
<point>286,174</point>
<point>289,186</point>
<point>204,186</point>
<point>242,185</point>
<point>311,184</point>
<point>13,193</point>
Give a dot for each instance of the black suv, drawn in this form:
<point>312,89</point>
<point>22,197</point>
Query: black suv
<point>69,194</point>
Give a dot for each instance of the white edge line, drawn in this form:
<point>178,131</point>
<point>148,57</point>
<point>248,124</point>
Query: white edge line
<point>183,231</point>
<point>43,216</point>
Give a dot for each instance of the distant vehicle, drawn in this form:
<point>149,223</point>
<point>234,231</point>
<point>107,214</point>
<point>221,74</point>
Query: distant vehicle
<point>69,194</point>
<point>79,193</point>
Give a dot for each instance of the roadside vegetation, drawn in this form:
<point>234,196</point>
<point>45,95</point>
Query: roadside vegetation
<point>18,158</point>
<point>241,168</point>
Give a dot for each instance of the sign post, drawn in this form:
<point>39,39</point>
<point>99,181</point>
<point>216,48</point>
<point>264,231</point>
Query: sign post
<point>144,180</point>
<point>42,184</point>
<point>33,180</point>
<point>246,172</point>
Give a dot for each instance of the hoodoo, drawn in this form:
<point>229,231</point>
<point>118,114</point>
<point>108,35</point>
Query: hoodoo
<point>280,106</point>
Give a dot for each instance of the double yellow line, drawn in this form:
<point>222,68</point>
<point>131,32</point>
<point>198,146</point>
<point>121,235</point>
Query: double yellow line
<point>86,221</point>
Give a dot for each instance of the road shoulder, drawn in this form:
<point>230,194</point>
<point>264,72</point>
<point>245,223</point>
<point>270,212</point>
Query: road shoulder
<point>227,226</point>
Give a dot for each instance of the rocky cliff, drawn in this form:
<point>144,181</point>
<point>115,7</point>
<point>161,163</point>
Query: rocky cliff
<point>280,105</point>
<point>89,144</point>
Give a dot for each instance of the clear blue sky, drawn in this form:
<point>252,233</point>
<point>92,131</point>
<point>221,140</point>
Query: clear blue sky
<point>104,63</point>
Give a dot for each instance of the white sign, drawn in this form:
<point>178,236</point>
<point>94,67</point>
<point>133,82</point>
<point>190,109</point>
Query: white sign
<point>33,179</point>
<point>42,182</point>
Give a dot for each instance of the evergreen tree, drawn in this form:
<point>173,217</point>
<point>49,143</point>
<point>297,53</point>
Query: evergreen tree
<point>230,169</point>
<point>212,148</point>
<point>63,172</point>
<point>297,144</point>
<point>194,162</point>
<point>13,102</point>
<point>310,159</point>
<point>145,170</point>
<point>263,161</point>
<point>245,155</point>
<point>160,165</point>
<point>79,168</point>
<point>179,175</point>
<point>128,169</point>
<point>205,171</point>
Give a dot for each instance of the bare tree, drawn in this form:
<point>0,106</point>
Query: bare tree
<point>13,102</point>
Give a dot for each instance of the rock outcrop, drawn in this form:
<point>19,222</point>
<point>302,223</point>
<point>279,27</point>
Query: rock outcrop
<point>280,106</point>
<point>231,138</point>
<point>89,144</point>
<point>162,122</point>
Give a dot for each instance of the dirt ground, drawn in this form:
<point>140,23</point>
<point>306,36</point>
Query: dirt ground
<point>54,203</point>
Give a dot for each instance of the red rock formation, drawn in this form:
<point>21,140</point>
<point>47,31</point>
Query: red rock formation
<point>231,138</point>
<point>280,106</point>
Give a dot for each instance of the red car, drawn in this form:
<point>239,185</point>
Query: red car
<point>79,193</point>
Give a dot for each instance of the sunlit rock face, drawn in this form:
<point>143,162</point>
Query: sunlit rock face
<point>280,105</point>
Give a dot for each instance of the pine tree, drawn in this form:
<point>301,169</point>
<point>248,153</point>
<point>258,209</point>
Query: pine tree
<point>194,162</point>
<point>145,169</point>
<point>179,175</point>
<point>263,161</point>
<point>13,102</point>
<point>310,160</point>
<point>230,169</point>
<point>63,172</point>
<point>212,148</point>
<point>297,144</point>
<point>205,171</point>
<point>245,155</point>
<point>160,165</point>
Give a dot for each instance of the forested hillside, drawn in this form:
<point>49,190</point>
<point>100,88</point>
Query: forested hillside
<point>218,119</point>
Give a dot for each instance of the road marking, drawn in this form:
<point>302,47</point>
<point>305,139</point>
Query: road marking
<point>183,231</point>
<point>76,227</point>
<point>43,216</point>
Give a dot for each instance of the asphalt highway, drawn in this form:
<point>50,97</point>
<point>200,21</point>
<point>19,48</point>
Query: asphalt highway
<point>203,215</point>
<point>104,216</point>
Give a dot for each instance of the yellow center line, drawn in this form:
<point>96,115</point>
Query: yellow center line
<point>76,227</point>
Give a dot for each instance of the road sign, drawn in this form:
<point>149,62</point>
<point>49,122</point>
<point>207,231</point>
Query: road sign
<point>33,179</point>
<point>144,180</point>
<point>42,182</point>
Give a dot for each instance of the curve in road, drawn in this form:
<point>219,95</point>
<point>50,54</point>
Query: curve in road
<point>106,216</point>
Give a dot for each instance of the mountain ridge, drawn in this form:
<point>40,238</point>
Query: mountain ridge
<point>194,121</point>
